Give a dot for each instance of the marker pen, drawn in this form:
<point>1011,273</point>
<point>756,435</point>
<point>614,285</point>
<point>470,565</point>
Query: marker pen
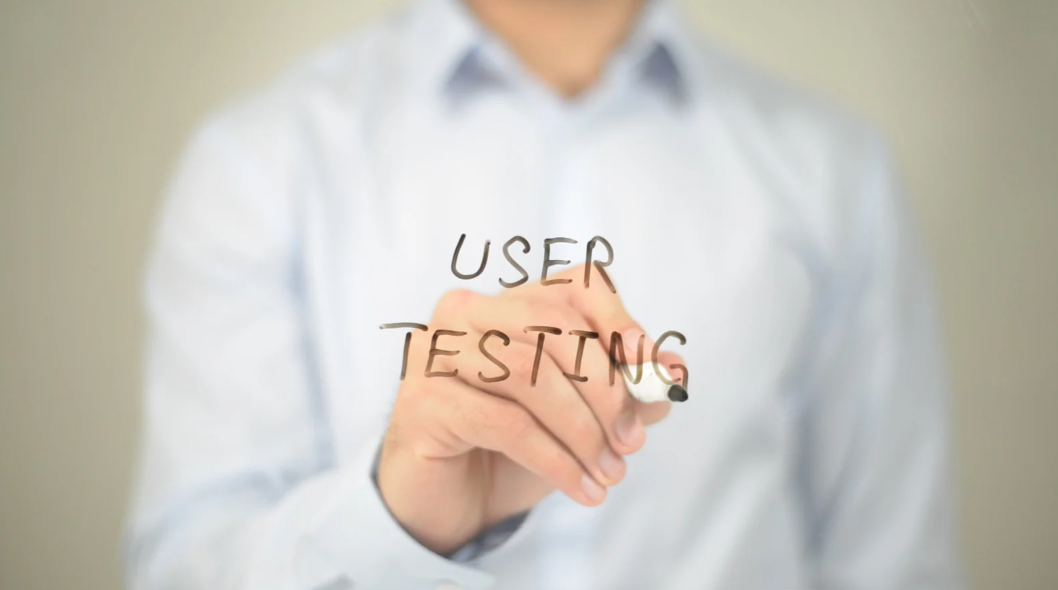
<point>652,389</point>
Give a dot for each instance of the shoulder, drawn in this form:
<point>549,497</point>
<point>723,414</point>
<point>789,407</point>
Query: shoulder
<point>827,168</point>
<point>250,164</point>
<point>314,99</point>
<point>798,122</point>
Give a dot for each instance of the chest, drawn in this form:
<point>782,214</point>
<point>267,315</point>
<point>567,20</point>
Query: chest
<point>698,248</point>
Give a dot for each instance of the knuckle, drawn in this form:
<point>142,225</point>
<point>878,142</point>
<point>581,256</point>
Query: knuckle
<point>416,401</point>
<point>453,301</point>
<point>622,323</point>
<point>563,469</point>
<point>555,464</point>
<point>408,393</point>
<point>513,422</point>
<point>572,271</point>
<point>586,430</point>
<point>542,314</point>
<point>521,366</point>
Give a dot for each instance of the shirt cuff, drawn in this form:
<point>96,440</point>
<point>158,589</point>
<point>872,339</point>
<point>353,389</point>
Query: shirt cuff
<point>488,540</point>
<point>357,533</point>
<point>480,545</point>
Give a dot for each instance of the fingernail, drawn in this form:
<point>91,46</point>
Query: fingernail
<point>629,428</point>
<point>611,465</point>
<point>631,339</point>
<point>592,489</point>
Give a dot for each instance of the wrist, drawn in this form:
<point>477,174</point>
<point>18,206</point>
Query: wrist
<point>423,505</point>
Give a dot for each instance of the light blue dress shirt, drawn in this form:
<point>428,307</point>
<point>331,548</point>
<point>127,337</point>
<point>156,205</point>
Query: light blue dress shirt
<point>762,224</point>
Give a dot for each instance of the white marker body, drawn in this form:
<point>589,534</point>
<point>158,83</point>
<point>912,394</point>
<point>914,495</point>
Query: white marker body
<point>650,387</point>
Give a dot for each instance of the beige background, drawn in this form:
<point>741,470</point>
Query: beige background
<point>98,96</point>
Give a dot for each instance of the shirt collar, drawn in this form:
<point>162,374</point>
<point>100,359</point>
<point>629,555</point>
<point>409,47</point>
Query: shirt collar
<point>452,47</point>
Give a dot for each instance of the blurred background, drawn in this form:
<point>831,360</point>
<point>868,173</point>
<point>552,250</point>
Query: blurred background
<point>97,99</point>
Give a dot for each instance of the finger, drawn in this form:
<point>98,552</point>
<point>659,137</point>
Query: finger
<point>601,384</point>
<point>554,307</point>
<point>635,415</point>
<point>614,409</point>
<point>470,418</point>
<point>556,330</point>
<point>652,413</point>
<point>600,380</point>
<point>674,365</point>
<point>589,292</point>
<point>554,400</point>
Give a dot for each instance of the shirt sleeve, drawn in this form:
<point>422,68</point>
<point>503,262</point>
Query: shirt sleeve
<point>236,486</point>
<point>876,459</point>
<point>486,541</point>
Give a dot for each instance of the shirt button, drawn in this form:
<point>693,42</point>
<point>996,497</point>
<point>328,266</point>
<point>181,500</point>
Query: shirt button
<point>446,585</point>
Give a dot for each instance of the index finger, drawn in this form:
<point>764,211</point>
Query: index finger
<point>589,290</point>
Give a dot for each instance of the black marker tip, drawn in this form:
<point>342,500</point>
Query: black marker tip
<point>677,393</point>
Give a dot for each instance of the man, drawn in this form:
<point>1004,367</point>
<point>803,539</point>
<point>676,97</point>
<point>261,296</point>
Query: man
<point>291,443</point>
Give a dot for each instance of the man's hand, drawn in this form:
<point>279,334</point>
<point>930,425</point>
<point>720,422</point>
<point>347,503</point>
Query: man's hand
<point>461,454</point>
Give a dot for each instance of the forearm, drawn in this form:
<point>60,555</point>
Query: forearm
<point>327,530</point>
